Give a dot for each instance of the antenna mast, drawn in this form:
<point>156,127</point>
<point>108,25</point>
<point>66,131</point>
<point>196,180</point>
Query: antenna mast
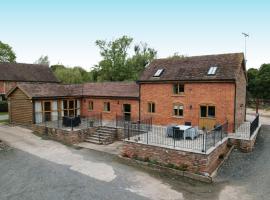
<point>245,35</point>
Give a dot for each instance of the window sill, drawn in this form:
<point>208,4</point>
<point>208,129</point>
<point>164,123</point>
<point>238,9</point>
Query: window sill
<point>178,117</point>
<point>178,95</point>
<point>207,117</point>
<point>106,111</point>
<point>90,110</point>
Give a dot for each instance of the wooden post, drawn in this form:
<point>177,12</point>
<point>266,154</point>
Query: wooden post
<point>257,105</point>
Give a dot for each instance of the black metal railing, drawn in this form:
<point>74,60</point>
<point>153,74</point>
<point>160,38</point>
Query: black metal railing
<point>68,123</point>
<point>254,125</point>
<point>192,138</point>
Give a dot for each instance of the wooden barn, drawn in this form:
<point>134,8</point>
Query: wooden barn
<point>35,103</point>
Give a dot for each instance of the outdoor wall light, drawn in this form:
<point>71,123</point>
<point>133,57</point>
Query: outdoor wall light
<point>190,107</point>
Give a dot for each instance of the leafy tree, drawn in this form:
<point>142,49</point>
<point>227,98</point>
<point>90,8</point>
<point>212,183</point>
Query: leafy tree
<point>6,53</point>
<point>252,87</point>
<point>116,64</point>
<point>176,55</point>
<point>69,75</point>
<point>259,82</point>
<point>43,60</point>
<point>264,81</point>
<point>58,66</point>
<point>137,63</point>
<point>113,66</point>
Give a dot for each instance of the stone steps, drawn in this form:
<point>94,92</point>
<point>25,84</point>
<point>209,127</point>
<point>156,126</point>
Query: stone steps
<point>103,135</point>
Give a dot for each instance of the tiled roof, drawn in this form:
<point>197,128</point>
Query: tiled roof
<point>112,89</point>
<point>195,68</point>
<point>107,89</point>
<point>20,72</point>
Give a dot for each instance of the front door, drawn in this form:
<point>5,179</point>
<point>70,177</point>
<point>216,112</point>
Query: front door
<point>207,119</point>
<point>127,112</point>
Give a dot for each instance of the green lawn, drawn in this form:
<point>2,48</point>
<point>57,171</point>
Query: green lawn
<point>3,113</point>
<point>4,121</point>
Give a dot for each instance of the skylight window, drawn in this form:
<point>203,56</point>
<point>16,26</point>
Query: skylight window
<point>158,72</point>
<point>212,70</point>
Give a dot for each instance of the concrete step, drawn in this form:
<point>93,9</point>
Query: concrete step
<point>104,132</point>
<point>107,128</point>
<point>93,141</point>
<point>99,136</point>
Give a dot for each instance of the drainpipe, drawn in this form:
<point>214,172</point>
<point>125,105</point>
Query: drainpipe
<point>139,101</point>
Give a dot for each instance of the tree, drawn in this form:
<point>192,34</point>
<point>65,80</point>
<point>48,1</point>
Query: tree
<point>176,55</point>
<point>114,53</point>
<point>43,60</point>
<point>252,88</point>
<point>6,53</point>
<point>137,63</point>
<point>116,64</point>
<point>57,66</point>
<point>263,78</point>
<point>68,75</point>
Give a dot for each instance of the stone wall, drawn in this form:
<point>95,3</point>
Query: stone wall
<point>64,136</point>
<point>190,161</point>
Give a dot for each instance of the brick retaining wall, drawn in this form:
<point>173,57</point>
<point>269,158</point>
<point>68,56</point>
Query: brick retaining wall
<point>67,137</point>
<point>192,162</point>
<point>245,145</point>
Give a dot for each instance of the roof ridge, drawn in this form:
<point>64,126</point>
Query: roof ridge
<point>204,55</point>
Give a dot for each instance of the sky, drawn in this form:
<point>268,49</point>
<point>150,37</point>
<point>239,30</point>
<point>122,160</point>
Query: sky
<point>66,30</point>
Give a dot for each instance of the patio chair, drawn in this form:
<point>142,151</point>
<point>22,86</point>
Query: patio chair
<point>169,131</point>
<point>191,133</point>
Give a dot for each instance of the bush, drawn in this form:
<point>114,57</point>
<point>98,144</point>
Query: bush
<point>3,106</point>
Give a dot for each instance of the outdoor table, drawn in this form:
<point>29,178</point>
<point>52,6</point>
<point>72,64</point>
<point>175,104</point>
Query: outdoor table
<point>184,128</point>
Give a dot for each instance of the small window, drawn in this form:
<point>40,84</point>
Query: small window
<point>212,70</point>
<point>208,111</point>
<point>178,88</point>
<point>90,105</point>
<point>151,107</point>
<point>203,111</point>
<point>158,72</point>
<point>107,107</point>
<point>211,111</point>
<point>178,110</point>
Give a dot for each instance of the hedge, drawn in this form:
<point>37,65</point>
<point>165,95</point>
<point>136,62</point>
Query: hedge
<point>3,106</point>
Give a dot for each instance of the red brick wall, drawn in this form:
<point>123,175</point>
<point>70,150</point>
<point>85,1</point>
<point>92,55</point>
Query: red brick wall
<point>116,108</point>
<point>5,86</point>
<point>240,97</point>
<point>2,89</point>
<point>195,162</point>
<point>219,94</point>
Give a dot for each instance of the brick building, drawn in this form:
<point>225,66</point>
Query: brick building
<point>201,90</point>
<point>13,73</point>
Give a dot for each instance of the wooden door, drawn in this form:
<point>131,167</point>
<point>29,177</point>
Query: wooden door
<point>207,117</point>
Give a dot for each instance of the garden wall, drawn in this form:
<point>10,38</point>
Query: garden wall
<point>193,162</point>
<point>67,137</point>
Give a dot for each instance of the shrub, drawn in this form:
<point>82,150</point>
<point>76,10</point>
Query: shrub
<point>3,106</point>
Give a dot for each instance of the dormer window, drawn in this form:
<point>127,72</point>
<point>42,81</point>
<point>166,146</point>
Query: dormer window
<point>158,72</point>
<point>212,70</point>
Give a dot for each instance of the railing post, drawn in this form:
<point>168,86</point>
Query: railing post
<point>174,137</point>
<point>71,124</point>
<point>128,130</point>
<point>147,135</point>
<point>204,142</point>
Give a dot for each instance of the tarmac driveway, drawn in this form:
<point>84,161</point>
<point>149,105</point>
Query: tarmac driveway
<point>44,169</point>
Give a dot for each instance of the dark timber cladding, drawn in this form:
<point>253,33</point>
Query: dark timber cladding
<point>20,102</point>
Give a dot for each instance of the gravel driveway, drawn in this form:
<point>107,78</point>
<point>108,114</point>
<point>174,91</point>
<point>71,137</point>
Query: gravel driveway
<point>44,169</point>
